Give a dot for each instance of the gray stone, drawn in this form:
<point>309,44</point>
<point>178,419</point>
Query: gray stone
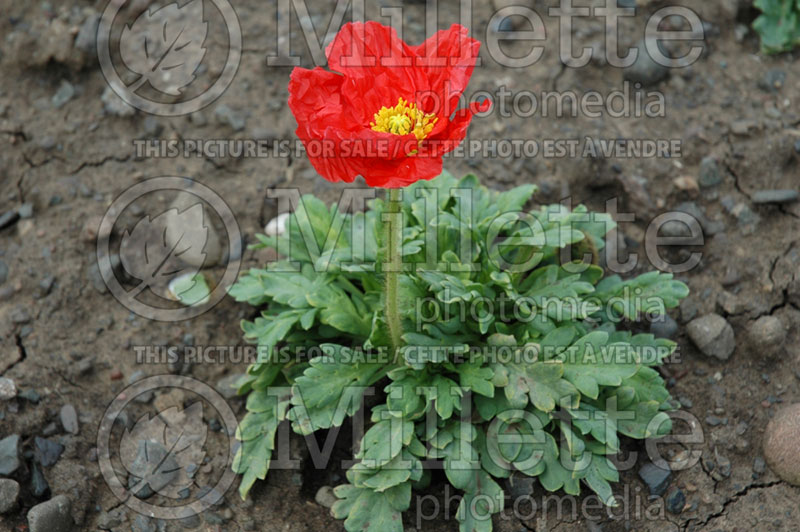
<point>710,174</point>
<point>86,39</point>
<point>775,196</point>
<point>645,70</point>
<point>713,335</point>
<point>142,523</point>
<point>9,455</point>
<point>773,80</point>
<point>8,390</point>
<point>9,494</point>
<point>51,516</point>
<point>676,500</point>
<point>325,497</point>
<point>656,479</point>
<point>38,485</point>
<point>780,444</point>
<point>114,105</point>
<point>767,333</point>
<point>235,119</point>
<point>664,327</point>
<point>25,211</point>
<point>69,419</point>
<point>47,452</point>
<point>63,95</point>
<point>759,465</point>
<point>109,520</point>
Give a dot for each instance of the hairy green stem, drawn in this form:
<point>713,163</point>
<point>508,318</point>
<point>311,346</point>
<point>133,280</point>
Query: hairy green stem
<point>392,266</point>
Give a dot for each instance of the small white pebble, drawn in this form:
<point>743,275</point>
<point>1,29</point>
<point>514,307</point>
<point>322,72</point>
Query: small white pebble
<point>277,226</point>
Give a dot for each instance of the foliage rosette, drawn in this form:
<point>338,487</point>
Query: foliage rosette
<point>513,360</point>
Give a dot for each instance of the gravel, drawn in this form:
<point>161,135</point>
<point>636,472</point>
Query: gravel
<point>664,327</point>
<point>644,70</point>
<point>657,479</point>
<point>47,452</point>
<point>713,335</point>
<point>325,497</point>
<point>9,455</point>
<point>8,390</point>
<point>676,500</point>
<point>9,494</point>
<point>710,174</point>
<point>51,516</point>
<point>69,419</point>
<point>63,95</point>
<point>775,196</point>
<point>767,334</point>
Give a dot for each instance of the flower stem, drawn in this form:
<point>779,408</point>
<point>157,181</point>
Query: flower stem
<point>392,266</point>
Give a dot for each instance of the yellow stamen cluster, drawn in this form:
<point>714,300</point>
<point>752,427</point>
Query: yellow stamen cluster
<point>404,118</point>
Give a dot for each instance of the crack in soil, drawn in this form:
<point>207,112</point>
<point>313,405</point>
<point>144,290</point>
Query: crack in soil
<point>101,162</point>
<point>731,500</point>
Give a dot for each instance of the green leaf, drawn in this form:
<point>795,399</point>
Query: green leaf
<point>365,510</point>
<point>329,389</point>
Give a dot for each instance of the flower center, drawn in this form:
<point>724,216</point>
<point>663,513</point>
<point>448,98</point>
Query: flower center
<point>404,118</point>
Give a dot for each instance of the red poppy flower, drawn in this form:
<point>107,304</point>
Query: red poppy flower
<point>387,111</point>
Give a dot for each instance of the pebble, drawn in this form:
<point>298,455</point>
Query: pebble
<point>644,70</point>
<point>797,146</point>
<point>768,334</point>
<point>142,523</point>
<point>235,119</point>
<point>45,286</point>
<point>656,479</point>
<point>325,497</point>
<point>9,455</point>
<point>190,522</point>
<point>69,419</point>
<point>9,494</point>
<point>150,454</point>
<point>8,218</point>
<point>96,279</point>
<point>710,174</point>
<point>773,80</point>
<point>116,375</point>
<point>114,105</point>
<point>47,452</point>
<point>759,465</point>
<point>676,501</point>
<point>775,196</point>
<point>277,226</point>
<point>63,95</point>
<point>51,516</point>
<point>3,272</point>
<point>664,327</point>
<point>8,390</point>
<point>109,520</point>
<point>86,39</point>
<point>713,335</point>
<point>780,443</point>
<point>25,211</point>
<point>39,485</point>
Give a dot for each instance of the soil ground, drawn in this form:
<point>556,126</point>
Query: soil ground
<point>71,342</point>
